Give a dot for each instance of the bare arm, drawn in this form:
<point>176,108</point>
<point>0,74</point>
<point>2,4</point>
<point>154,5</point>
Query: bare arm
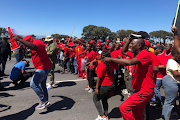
<point>124,62</point>
<point>176,75</point>
<point>23,71</point>
<point>155,69</point>
<point>176,39</point>
<point>97,86</point>
<point>26,43</point>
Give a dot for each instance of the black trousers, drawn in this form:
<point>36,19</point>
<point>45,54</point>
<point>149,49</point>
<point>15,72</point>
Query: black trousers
<point>23,77</point>
<point>90,77</point>
<point>104,93</point>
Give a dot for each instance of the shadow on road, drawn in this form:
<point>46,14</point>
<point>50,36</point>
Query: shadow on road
<point>18,87</point>
<point>4,107</point>
<point>57,71</point>
<point>115,113</point>
<point>22,115</point>
<point>65,104</point>
<point>65,84</point>
<point>5,95</point>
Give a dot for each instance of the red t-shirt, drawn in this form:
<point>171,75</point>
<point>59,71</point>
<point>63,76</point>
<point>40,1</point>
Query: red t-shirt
<point>40,58</point>
<point>163,59</point>
<point>114,54</point>
<point>106,80</point>
<point>67,51</point>
<point>142,76</point>
<point>70,53</point>
<point>155,63</point>
<point>119,52</point>
<point>98,57</point>
<point>90,57</point>
<point>59,46</point>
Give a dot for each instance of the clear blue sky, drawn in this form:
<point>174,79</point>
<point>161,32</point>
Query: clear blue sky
<point>46,17</point>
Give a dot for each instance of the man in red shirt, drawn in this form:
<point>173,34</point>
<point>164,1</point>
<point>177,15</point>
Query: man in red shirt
<point>142,79</point>
<point>66,54</point>
<point>42,65</point>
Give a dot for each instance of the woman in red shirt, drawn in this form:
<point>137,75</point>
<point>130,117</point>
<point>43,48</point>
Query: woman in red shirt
<point>91,56</point>
<point>104,86</point>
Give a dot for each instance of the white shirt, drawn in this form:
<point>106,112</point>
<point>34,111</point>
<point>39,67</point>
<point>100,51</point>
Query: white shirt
<point>172,65</point>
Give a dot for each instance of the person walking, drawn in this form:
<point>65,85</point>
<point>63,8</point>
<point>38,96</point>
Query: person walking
<point>52,51</point>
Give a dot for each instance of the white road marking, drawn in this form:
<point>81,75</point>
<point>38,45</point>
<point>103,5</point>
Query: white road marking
<point>70,80</point>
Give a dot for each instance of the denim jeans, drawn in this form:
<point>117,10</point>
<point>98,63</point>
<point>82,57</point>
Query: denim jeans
<point>75,65</point>
<point>58,58</point>
<point>171,92</point>
<point>18,57</point>
<point>157,95</point>
<point>69,67</point>
<point>38,84</point>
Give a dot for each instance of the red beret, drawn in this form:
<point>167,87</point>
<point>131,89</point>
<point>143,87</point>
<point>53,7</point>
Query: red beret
<point>80,39</point>
<point>29,38</point>
<point>56,39</point>
<point>99,43</point>
<point>71,43</point>
<point>108,41</point>
<point>147,43</point>
<point>92,41</point>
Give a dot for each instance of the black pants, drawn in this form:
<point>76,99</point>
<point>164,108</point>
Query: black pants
<point>23,77</point>
<point>90,77</point>
<point>104,93</point>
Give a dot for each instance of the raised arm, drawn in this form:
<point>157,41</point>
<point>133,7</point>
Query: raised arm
<point>176,38</point>
<point>26,43</point>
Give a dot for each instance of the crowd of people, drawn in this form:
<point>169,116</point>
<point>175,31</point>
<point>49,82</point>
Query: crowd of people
<point>131,65</point>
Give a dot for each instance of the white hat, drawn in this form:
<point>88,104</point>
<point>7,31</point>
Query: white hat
<point>48,38</point>
<point>62,39</point>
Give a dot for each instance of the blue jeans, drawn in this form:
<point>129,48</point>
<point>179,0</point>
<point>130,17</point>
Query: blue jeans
<point>38,84</point>
<point>75,65</point>
<point>171,92</point>
<point>69,67</point>
<point>18,57</point>
<point>157,96</point>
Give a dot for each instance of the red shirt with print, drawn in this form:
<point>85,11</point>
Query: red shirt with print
<point>90,57</point>
<point>70,52</point>
<point>106,80</point>
<point>142,76</point>
<point>79,49</point>
<point>40,58</point>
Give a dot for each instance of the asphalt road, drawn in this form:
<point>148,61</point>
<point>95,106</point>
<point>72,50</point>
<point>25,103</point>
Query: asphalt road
<point>69,100</point>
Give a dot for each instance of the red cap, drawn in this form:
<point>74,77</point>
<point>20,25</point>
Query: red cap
<point>80,39</point>
<point>71,43</point>
<point>67,38</point>
<point>29,38</point>
<point>92,41</point>
<point>99,43</point>
<point>108,41</point>
<point>147,43</point>
<point>56,39</point>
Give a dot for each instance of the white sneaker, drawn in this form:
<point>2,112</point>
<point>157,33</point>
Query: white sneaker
<point>87,88</point>
<point>100,118</point>
<point>124,91</point>
<point>90,90</point>
<point>49,86</point>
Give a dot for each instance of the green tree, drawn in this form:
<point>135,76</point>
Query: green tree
<point>161,36</point>
<point>60,36</point>
<point>3,31</point>
<point>124,33</point>
<point>112,36</point>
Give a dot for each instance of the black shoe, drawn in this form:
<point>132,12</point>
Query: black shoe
<point>5,75</point>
